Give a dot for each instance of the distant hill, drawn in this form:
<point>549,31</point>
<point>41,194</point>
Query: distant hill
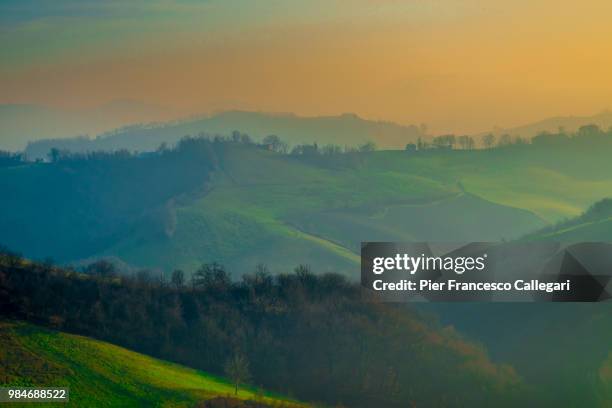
<point>567,123</point>
<point>101,374</point>
<point>23,123</point>
<point>347,129</point>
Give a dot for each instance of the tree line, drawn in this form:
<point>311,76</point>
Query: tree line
<point>306,335</point>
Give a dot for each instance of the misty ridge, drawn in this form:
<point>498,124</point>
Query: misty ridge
<point>347,129</point>
<point>132,125</point>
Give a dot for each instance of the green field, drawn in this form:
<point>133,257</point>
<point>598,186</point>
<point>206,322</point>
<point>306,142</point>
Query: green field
<point>255,206</point>
<point>100,374</point>
<point>268,208</point>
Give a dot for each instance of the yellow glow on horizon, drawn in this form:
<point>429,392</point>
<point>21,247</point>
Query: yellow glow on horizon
<point>517,63</point>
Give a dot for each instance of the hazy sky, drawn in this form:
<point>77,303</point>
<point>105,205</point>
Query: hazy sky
<point>457,65</point>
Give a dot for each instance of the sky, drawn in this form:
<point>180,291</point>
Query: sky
<point>458,66</point>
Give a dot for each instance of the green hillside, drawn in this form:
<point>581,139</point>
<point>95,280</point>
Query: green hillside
<point>595,224</point>
<point>568,123</point>
<point>100,374</point>
<point>262,204</point>
<point>245,218</point>
<point>241,205</point>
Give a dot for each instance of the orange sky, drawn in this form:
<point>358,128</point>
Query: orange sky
<point>461,66</point>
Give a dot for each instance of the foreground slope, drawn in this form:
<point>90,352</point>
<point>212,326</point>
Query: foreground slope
<point>101,374</point>
<point>305,335</point>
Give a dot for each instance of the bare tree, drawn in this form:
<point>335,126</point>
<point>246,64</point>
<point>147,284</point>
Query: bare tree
<point>465,142</point>
<point>178,278</point>
<point>237,369</point>
<point>445,141</point>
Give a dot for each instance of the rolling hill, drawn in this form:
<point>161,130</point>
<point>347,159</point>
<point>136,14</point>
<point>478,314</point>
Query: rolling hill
<point>347,129</point>
<point>567,123</point>
<point>242,205</point>
<point>263,205</point>
<point>22,123</point>
<point>101,374</point>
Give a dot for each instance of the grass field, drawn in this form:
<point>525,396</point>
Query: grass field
<point>281,210</point>
<point>100,374</point>
<point>268,208</point>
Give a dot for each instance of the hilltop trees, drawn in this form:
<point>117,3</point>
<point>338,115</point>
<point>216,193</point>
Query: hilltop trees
<point>9,158</point>
<point>549,139</point>
<point>275,144</point>
<point>466,142</point>
<point>444,141</point>
<point>211,276</point>
<point>504,140</point>
<point>488,140</point>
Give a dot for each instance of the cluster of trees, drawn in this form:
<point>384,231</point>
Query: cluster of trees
<point>312,337</point>
<point>585,133</point>
<point>490,141</point>
<point>275,144</point>
<point>9,158</point>
<point>331,149</point>
<point>466,142</point>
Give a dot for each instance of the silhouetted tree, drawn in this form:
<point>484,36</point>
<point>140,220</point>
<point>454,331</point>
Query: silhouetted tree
<point>466,142</point>
<point>211,276</point>
<point>445,141</point>
<point>488,140</point>
<point>178,278</point>
<point>411,147</point>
